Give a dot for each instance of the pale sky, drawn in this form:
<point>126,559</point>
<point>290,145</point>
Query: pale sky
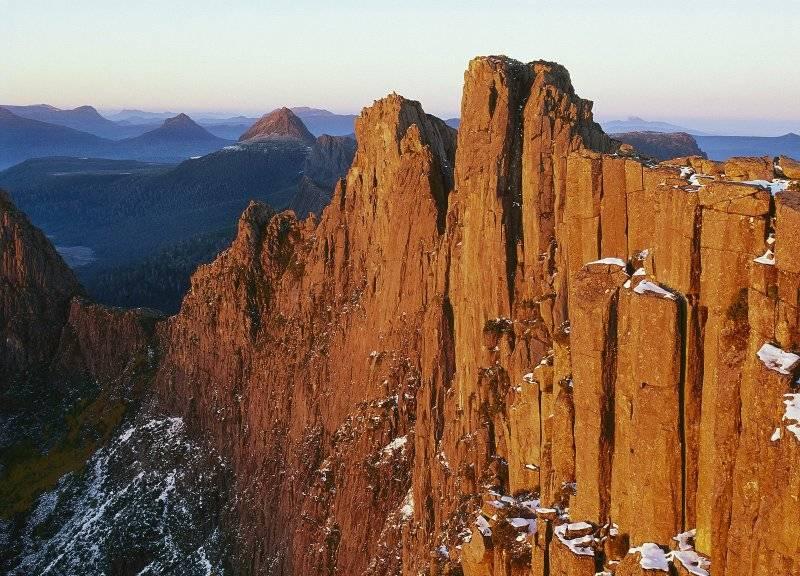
<point>725,66</point>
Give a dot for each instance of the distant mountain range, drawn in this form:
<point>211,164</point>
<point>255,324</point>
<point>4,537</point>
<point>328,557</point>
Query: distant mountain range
<point>716,147</point>
<point>723,147</point>
<point>324,122</point>
<point>175,140</point>
<point>139,116</point>
<point>39,131</point>
<point>120,220</point>
<point>22,138</point>
<point>35,131</point>
<point>280,124</point>
<point>636,124</point>
<point>84,118</point>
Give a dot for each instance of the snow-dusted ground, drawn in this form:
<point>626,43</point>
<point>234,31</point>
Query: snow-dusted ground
<point>147,503</point>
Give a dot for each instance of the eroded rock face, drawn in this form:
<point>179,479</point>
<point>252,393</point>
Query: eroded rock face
<point>93,478</point>
<point>287,336</point>
<point>50,331</point>
<point>517,315</point>
<point>103,344</point>
<point>515,350</point>
<point>37,287</point>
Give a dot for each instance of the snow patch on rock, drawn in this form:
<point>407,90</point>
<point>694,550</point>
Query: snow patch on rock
<point>652,557</point>
<point>778,360</point>
<point>646,286</point>
<point>610,261</point>
<point>580,546</point>
<point>792,414</point>
<point>768,258</point>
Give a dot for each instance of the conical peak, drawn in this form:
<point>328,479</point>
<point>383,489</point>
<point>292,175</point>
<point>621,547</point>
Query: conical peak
<point>88,109</point>
<point>179,120</point>
<point>278,124</point>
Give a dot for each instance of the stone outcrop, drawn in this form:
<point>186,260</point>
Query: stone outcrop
<point>50,332</point>
<point>108,344</point>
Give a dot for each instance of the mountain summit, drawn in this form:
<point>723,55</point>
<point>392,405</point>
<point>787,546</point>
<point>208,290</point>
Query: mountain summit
<point>83,118</point>
<point>181,127</point>
<point>176,139</point>
<point>22,138</point>
<point>280,123</point>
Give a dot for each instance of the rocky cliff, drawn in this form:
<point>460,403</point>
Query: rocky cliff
<point>88,463</point>
<point>36,289</point>
<point>514,350</point>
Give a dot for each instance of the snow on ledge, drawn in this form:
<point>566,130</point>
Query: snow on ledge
<point>694,179</point>
<point>578,546</point>
<point>683,539</point>
<point>778,360</point>
<point>774,186</point>
<point>576,526</point>
<point>768,258</point>
<point>483,526</point>
<point>792,413</point>
<point>646,286</point>
<point>398,443</point>
<point>695,564</point>
<point>529,524</point>
<point>407,508</point>
<point>611,261</point>
<point>652,557</point>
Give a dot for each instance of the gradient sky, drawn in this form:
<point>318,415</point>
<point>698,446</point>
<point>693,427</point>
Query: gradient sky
<point>724,66</point>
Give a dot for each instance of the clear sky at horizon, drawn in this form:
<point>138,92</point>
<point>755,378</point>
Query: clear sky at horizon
<point>723,66</point>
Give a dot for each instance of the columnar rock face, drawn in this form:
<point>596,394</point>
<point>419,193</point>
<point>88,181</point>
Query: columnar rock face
<point>729,243</point>
<point>517,350</point>
<point>762,537</point>
<point>646,481</point>
<point>595,298</point>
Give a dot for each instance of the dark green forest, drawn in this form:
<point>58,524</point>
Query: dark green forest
<point>148,226</point>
